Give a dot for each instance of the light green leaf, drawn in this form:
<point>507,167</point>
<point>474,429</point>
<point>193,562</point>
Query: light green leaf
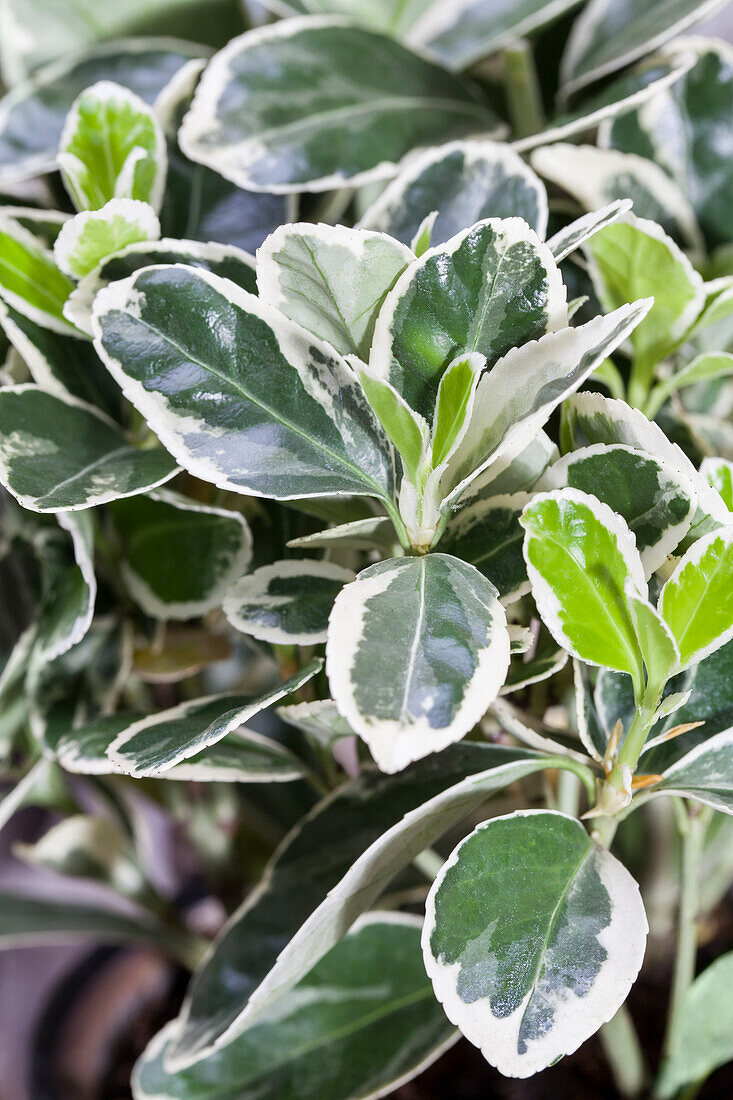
<point>506,415</point>
<point>466,182</point>
<point>89,238</point>
<point>704,773</point>
<point>655,498</point>
<point>402,690</point>
<point>154,744</point>
<point>112,147</point>
<point>331,280</point>
<point>532,887</point>
<point>59,454</point>
<point>704,1036</point>
<point>719,473</point>
<point>488,535</point>
<point>406,429</point>
<point>178,558</point>
<point>285,417</point>
<point>287,602</point>
<point>224,260</point>
<point>370,101</point>
<point>343,856</point>
<point>697,600</point>
<point>583,564</point>
<point>453,405</point>
<point>423,237</point>
<point>337,1036</point>
<point>44,225</point>
<point>575,234</point>
<point>704,368</point>
<point>32,115</point>
<point>684,130</point>
<point>656,642</point>
<point>610,34</point>
<point>459,298</point>
<point>634,259</point>
<point>599,176</point>
<point>66,366</point>
<point>30,281</point>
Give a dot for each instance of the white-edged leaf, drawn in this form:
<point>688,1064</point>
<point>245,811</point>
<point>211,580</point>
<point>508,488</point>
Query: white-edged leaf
<point>370,102</point>
<point>112,147</point>
<point>68,611</point>
<point>59,454</point>
<point>488,534</point>
<point>417,650</point>
<point>320,721</point>
<point>284,417</point>
<point>465,182</point>
<point>337,1035</point>
<point>154,744</point>
<point>506,416</point>
<point>719,473</point>
<point>655,498</point>
<point>287,602</point>
<point>599,176</point>
<point>704,773</point>
<point>697,600</point>
<point>533,887</point>
<point>352,845</point>
<point>457,298</point>
<point>575,234</point>
<point>583,564</point>
<point>330,279</point>
<point>226,261</point>
<point>178,557</point>
<point>359,534</point>
<point>90,237</point>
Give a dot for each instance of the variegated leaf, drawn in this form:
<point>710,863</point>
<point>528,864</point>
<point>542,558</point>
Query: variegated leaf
<point>30,281</point>
<point>697,600</point>
<point>287,602</point>
<point>489,536</point>
<point>532,887</point>
<point>89,238</point>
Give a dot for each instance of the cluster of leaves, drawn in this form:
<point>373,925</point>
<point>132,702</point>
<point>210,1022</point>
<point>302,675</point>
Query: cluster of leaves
<point>380,433</point>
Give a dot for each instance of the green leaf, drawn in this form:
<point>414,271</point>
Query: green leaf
<point>406,429</point>
<point>154,744</point>
<point>584,566</point>
<point>38,31</point>
<point>30,281</point>
<point>542,661</point>
<point>331,280</point>
<point>704,773</point>
<point>466,182</point>
<point>634,259</point>
<point>656,642</point>
<point>655,498</point>
<point>370,101</point>
<point>610,34</point>
<point>591,418</point>
<point>685,133</point>
<point>719,473</point>
<point>697,600</point>
<point>417,650</point>
<point>287,602</point>
<point>343,856</point>
<point>489,536</point>
<point>89,238</point>
<point>284,418</point>
<point>704,1036</point>
<point>704,368</point>
<point>226,261</point>
<point>532,888</point>
<point>596,177</point>
<point>320,721</point>
<point>338,1036</point>
<point>178,558</point>
<point>112,147</point>
<point>59,454</point>
<point>32,115</point>
<point>575,234</point>
<point>460,297</point>
<point>64,365</point>
<point>507,413</point>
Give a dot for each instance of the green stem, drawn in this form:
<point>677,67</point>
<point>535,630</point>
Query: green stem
<point>524,100</point>
<point>630,752</point>
<point>693,825</point>
<point>397,523</point>
<point>429,863</point>
<point>623,1050</point>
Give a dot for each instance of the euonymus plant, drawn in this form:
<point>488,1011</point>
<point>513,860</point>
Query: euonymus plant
<point>365,438</point>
